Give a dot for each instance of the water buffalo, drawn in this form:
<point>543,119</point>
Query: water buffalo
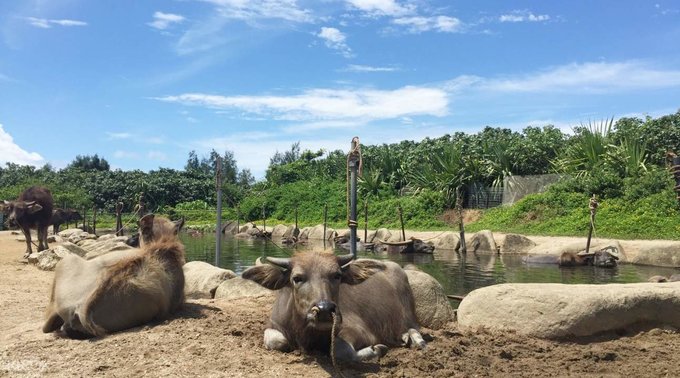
<point>33,209</point>
<point>121,289</point>
<point>369,301</point>
<point>604,258</point>
<point>61,216</point>
<point>412,245</point>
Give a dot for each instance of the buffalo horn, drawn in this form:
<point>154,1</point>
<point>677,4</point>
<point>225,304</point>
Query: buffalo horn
<point>345,260</point>
<point>279,261</point>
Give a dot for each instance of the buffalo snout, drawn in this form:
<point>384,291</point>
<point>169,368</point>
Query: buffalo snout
<point>323,312</point>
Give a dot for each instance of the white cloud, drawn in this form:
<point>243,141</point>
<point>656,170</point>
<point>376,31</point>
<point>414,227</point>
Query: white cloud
<point>157,155</point>
<point>113,135</point>
<point>419,24</point>
<point>330,104</point>
<point>47,23</point>
<point>601,77</point>
<point>12,153</point>
<point>523,16</point>
<point>287,10</point>
<point>120,154</point>
<point>363,68</point>
<point>335,39</point>
<point>382,7</point>
<point>162,21</point>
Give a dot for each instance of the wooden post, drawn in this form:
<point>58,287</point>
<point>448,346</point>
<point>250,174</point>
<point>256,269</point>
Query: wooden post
<point>461,225</point>
<point>94,220</point>
<point>354,162</point>
<point>141,206</point>
<point>296,216</point>
<point>264,219</point>
<point>401,221</point>
<point>325,217</point>
<point>238,219</point>
<point>119,220</point>
<point>592,205</point>
<point>675,170</point>
<point>218,226</point>
<point>366,221</point>
<point>84,218</point>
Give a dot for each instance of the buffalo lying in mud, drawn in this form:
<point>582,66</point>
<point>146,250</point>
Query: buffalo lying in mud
<point>61,216</point>
<point>121,289</point>
<point>33,209</point>
<point>368,303</point>
<point>604,258</point>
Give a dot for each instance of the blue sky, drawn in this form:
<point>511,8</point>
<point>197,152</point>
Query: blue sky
<point>142,83</point>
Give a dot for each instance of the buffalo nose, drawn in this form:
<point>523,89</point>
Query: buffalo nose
<point>326,307</point>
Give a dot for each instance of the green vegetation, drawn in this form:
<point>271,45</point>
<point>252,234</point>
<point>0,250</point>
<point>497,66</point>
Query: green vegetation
<point>621,162</point>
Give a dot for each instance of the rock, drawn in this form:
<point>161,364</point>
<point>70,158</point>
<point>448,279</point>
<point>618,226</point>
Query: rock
<point>54,239</point>
<point>107,247</point>
<point>246,227</point>
<point>667,254</point>
<point>107,237</point>
<point>657,279</point>
<point>304,233</point>
<point>278,231</point>
<point>21,238</point>
<point>448,240</point>
<point>674,278</point>
<point>379,235</point>
<point>316,232</point>
<point>48,259</point>
<point>68,232</point>
<point>432,306</point>
<point>202,279</point>
<point>74,249</point>
<point>558,311</point>
<point>87,243</point>
<point>230,228</point>
<point>516,244</point>
<point>291,232</point>
<point>238,288</point>
<point>555,247</point>
<point>78,236</point>
<point>482,242</point>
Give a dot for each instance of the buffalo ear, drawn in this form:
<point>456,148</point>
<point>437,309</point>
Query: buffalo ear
<point>268,276</point>
<point>33,207</point>
<point>360,270</point>
<point>178,225</point>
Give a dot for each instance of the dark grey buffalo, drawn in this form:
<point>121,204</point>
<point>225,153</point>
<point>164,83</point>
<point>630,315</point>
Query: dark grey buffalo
<point>61,216</point>
<point>33,209</point>
<point>370,302</point>
<point>604,258</point>
<point>412,245</point>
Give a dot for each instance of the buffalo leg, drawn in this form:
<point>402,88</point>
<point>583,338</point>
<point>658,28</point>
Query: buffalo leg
<point>275,340</point>
<point>413,338</point>
<point>345,351</point>
<point>27,234</point>
<point>42,238</point>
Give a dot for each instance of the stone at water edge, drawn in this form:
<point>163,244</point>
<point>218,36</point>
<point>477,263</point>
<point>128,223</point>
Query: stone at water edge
<point>432,306</point>
<point>516,244</point>
<point>448,240</point>
<point>556,311</point>
<point>481,242</point>
<point>238,287</point>
<point>278,231</point>
<point>201,279</point>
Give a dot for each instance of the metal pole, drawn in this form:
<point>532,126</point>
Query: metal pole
<point>296,217</point>
<point>238,219</point>
<point>94,220</point>
<point>264,220</point>
<point>353,168</point>
<point>401,221</point>
<point>325,217</point>
<point>218,228</point>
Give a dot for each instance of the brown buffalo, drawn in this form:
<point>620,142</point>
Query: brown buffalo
<point>121,289</point>
<point>33,209</point>
<point>61,216</point>
<point>370,302</point>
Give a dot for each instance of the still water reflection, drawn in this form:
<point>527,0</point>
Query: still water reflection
<point>458,273</point>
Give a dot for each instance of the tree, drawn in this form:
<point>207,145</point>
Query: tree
<point>89,163</point>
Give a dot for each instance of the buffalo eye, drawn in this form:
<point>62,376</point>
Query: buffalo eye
<point>298,279</point>
<point>337,276</point>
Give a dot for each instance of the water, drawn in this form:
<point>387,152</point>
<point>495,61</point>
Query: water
<point>458,273</point>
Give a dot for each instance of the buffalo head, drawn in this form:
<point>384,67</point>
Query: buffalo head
<point>314,280</point>
<point>152,228</point>
<point>17,210</point>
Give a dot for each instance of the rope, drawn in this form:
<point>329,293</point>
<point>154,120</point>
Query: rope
<point>335,362</point>
<point>354,154</point>
<point>132,217</point>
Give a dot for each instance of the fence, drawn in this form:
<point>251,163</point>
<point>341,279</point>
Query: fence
<point>479,196</point>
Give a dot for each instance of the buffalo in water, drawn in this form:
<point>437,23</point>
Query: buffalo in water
<point>604,258</point>
<point>33,209</point>
<point>368,303</point>
<point>121,289</point>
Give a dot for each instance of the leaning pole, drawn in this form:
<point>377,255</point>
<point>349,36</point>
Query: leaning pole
<point>353,162</point>
<point>218,227</point>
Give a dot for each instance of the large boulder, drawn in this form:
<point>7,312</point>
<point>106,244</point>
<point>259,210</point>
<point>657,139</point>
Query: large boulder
<point>102,247</point>
<point>432,306</point>
<point>278,231</point>
<point>54,239</point>
<point>316,232</point>
<point>304,233</point>
<point>291,232</point>
<point>77,236</point>
<point>73,248</point>
<point>558,310</point>
<point>238,288</point>
<point>379,235</point>
<point>482,242</point>
<point>230,228</point>
<point>516,244</point>
<point>657,253</point>
<point>48,259</point>
<point>202,279</point>
<point>448,240</point>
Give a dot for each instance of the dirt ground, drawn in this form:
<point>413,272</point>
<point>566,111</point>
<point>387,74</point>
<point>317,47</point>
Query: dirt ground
<point>219,338</point>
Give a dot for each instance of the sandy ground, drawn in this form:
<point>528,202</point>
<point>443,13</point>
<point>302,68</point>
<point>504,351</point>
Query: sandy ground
<point>217,338</point>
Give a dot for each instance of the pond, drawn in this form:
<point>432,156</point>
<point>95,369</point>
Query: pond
<point>458,273</point>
